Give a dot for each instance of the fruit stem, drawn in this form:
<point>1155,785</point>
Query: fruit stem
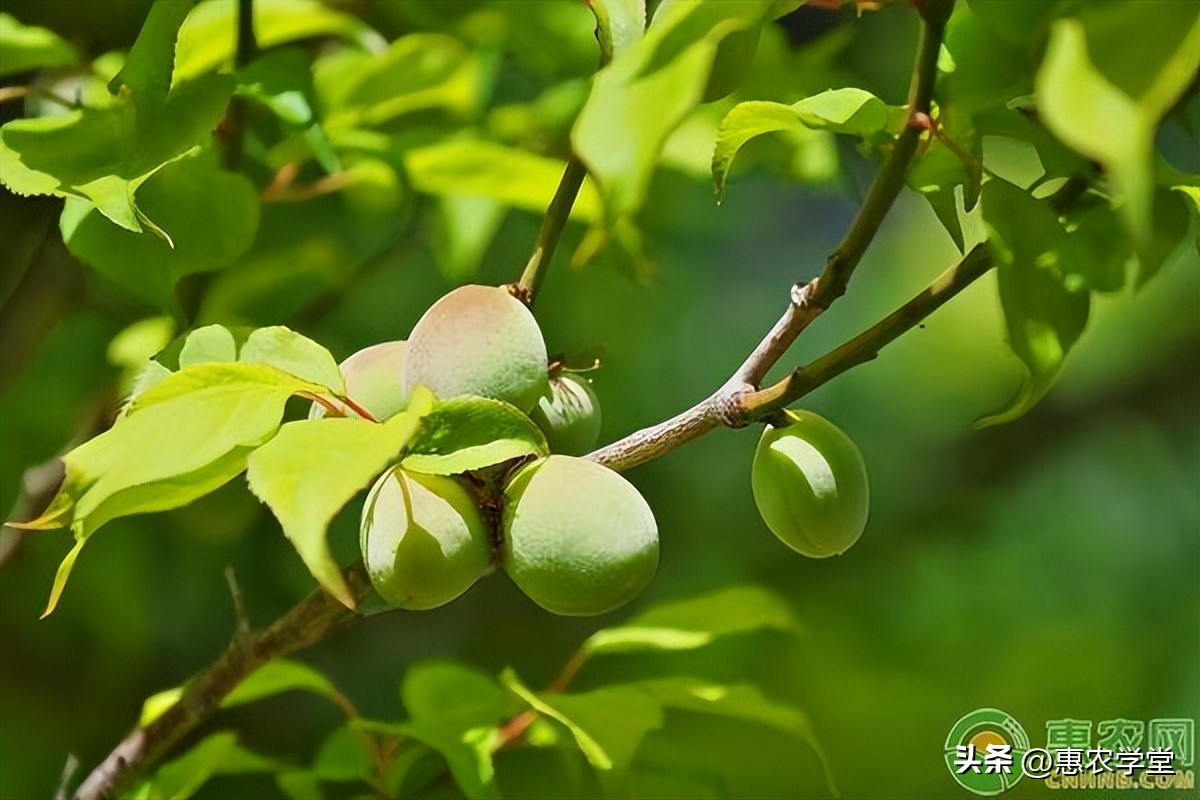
<point>357,409</point>
<point>552,226</point>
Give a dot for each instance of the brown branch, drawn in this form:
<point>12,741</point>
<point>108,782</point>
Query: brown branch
<point>312,619</point>
<point>866,346</point>
<point>724,407</point>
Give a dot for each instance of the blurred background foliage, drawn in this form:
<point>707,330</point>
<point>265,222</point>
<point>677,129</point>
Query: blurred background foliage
<point>1047,567</point>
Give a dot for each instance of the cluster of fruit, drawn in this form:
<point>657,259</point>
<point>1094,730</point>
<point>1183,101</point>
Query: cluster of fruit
<point>575,536</point>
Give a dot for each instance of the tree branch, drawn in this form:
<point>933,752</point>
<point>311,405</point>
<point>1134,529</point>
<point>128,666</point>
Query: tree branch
<point>866,346</point>
<point>724,407</point>
<point>312,619</point>
<point>557,214</point>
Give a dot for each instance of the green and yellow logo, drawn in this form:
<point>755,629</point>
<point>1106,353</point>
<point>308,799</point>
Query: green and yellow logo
<point>984,751</point>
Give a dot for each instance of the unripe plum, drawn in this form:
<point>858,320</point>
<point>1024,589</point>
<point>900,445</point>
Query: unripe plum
<point>478,340</point>
<point>810,485</point>
<point>374,380</point>
<point>578,538</point>
<point>423,540</point>
<point>569,415</point>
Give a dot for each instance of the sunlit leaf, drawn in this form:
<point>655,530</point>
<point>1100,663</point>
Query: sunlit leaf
<point>1044,317</point>
<point>206,38</point>
<point>740,701</point>
<point>343,757</point>
<point>849,111</point>
<point>148,461</point>
<point>1104,121</point>
<point>468,433</point>
<point>418,72</point>
<point>218,754</point>
<point>476,168</point>
<point>607,724</point>
<point>696,622</point>
<point>314,467</point>
<point>466,227</point>
<point>619,24</point>
<point>147,69</point>
<point>24,48</point>
<point>647,91</point>
<point>457,711</point>
<point>210,215</point>
<point>294,354</point>
<point>275,677</point>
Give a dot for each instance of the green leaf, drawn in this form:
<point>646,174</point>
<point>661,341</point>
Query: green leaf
<point>979,69</point>
<point>619,24</point>
<point>147,70</point>
<point>306,249</point>
<point>453,693</point>
<point>418,72</point>
<point>457,711</point>
<point>696,622</point>
<point>282,82</point>
<point>466,227</point>
<point>1171,226</point>
<point>1102,120</point>
<point>1018,24</point>
<point>206,38</point>
<point>210,216</point>
<point>608,724</point>
<point>314,467</point>
<point>1102,247</point>
<point>294,354</point>
<point>212,343</point>
<point>105,154</point>
<point>468,433</point>
<point>739,701</point>
<point>218,754</point>
<point>25,48</point>
<point>732,63</point>
<point>1044,318</point>
<point>744,122</point>
<point>275,677</point>
<point>646,92</point>
<point>343,757</point>
<point>849,111</point>
<point>949,173</point>
<point>480,169</point>
<point>299,784</point>
<point>279,676</point>
<point>149,461</point>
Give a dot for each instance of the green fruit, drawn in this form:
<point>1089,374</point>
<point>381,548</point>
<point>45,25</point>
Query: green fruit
<point>578,538</point>
<point>478,340</point>
<point>569,415</point>
<point>374,380</point>
<point>423,540</point>
<point>810,485</point>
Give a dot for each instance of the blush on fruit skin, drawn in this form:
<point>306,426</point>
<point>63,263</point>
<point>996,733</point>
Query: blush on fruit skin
<point>478,340</point>
<point>374,380</point>
<point>423,540</point>
<point>810,485</point>
<point>578,539</point>
<point>569,415</point>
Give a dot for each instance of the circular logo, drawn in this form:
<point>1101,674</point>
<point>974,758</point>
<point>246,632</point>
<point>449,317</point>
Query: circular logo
<point>974,766</point>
